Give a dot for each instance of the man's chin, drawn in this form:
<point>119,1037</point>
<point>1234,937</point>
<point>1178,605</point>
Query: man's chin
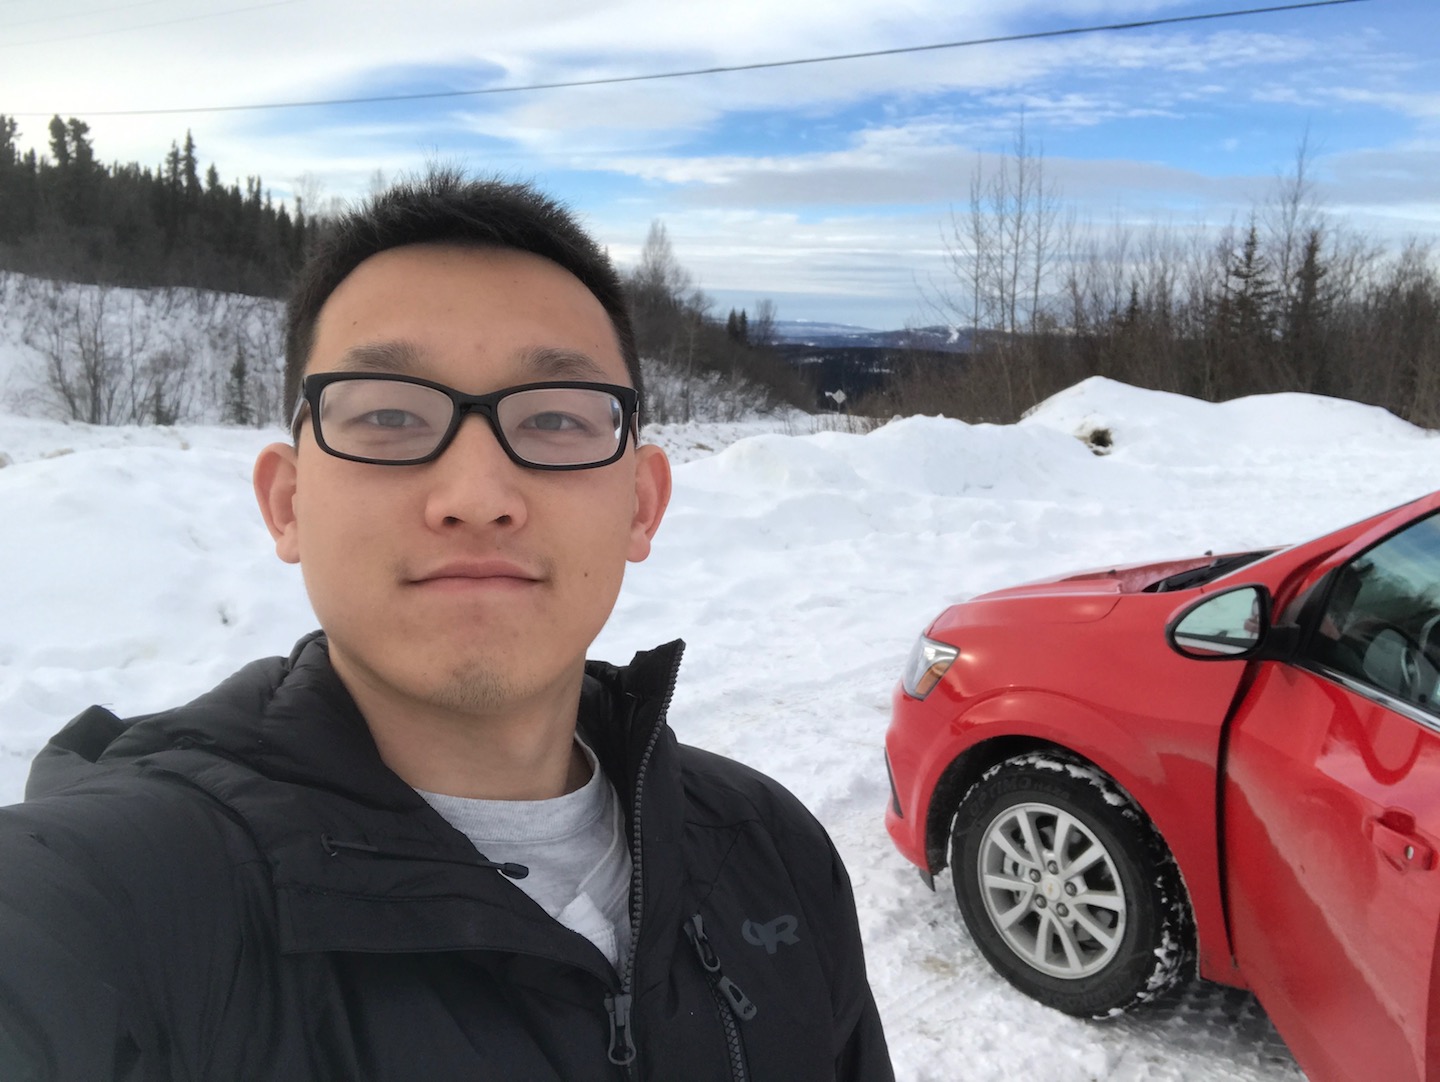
<point>463,685</point>
<point>475,690</point>
<point>465,671</point>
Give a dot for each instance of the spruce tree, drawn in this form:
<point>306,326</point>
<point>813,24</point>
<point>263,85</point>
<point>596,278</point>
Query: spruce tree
<point>238,409</point>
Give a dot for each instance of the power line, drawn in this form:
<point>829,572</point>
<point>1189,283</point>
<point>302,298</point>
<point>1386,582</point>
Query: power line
<point>80,15</point>
<point>140,26</point>
<point>1037,35</point>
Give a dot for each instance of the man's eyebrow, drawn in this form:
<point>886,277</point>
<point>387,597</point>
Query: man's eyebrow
<point>402,358</point>
<point>406,358</point>
<point>552,362</point>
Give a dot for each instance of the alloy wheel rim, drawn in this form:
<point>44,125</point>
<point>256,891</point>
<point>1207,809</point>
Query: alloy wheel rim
<point>1052,891</point>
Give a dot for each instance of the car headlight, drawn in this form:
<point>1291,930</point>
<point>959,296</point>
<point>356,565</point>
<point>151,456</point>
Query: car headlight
<point>928,663</point>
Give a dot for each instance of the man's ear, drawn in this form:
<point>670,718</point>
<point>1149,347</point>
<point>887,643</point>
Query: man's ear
<point>652,496</point>
<point>275,481</point>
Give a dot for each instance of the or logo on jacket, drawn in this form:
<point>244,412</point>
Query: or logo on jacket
<point>771,935</point>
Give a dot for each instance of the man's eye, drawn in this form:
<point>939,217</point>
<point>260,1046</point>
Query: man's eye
<point>390,418</point>
<point>553,421</point>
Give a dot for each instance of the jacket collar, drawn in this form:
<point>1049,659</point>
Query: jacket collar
<point>283,747</point>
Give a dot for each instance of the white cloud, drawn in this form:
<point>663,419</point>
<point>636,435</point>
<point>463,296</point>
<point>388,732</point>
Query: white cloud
<point>878,148</point>
<point>321,48</point>
<point>1419,103</point>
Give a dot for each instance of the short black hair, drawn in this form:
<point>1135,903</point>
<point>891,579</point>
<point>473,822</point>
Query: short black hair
<point>446,207</point>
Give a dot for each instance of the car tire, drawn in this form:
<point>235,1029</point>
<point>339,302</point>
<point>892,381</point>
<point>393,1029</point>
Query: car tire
<point>1091,926</point>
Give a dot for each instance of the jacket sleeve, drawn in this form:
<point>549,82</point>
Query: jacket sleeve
<point>864,1057</point>
<point>117,934</point>
<point>63,1002</point>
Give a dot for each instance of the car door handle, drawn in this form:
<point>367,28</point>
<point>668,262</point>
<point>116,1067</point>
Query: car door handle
<point>1393,834</point>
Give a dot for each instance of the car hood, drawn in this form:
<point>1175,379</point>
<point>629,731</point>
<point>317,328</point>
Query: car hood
<point>1078,597</point>
<point>1086,596</point>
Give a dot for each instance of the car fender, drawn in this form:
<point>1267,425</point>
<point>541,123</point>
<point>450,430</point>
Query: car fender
<point>1176,790</point>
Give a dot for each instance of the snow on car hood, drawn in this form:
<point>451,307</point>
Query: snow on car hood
<point>1123,579</point>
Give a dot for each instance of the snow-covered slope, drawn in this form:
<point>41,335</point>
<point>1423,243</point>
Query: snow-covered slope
<point>799,567</point>
<point>181,347</point>
<point>180,343</point>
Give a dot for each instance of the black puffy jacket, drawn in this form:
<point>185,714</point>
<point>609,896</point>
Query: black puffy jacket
<point>241,889</point>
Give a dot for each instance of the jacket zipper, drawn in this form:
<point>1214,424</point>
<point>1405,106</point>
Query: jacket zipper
<point>617,1005</point>
<point>621,1051</point>
<point>732,1004</point>
<point>334,846</point>
<point>622,1045</point>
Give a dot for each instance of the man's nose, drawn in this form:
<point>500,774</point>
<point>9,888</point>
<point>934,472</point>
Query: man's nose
<point>474,481</point>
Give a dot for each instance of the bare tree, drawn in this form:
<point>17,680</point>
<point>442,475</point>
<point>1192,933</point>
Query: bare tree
<point>98,366</point>
<point>668,310</point>
<point>1290,217</point>
<point>970,250</point>
<point>1007,252</point>
<point>762,327</point>
<point>310,197</point>
<point>83,372</point>
<point>659,273</point>
<point>1003,254</point>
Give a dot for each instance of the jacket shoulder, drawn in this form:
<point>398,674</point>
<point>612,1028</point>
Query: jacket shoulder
<point>124,834</point>
<point>724,790</point>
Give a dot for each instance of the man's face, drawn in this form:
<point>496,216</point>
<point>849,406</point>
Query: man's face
<point>469,583</point>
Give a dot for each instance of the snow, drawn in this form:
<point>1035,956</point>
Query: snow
<point>198,331</point>
<point>799,565</point>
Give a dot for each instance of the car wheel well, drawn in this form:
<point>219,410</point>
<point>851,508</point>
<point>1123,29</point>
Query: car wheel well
<point>955,782</point>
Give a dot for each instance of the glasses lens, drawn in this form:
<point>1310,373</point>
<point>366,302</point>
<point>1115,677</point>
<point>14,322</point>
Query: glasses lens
<point>562,426</point>
<point>382,419</point>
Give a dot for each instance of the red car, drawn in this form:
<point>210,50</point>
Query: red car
<point>1225,763</point>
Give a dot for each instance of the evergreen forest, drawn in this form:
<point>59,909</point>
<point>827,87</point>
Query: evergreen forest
<point>67,215</point>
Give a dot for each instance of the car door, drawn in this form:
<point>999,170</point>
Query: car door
<point>1331,820</point>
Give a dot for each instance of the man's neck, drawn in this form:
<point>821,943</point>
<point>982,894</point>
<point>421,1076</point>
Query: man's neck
<point>518,750</point>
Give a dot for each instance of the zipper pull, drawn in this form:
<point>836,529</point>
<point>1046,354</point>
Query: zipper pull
<point>740,1003</point>
<point>622,1047</point>
<point>695,932</point>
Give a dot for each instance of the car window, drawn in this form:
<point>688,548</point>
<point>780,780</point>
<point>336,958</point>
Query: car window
<point>1381,622</point>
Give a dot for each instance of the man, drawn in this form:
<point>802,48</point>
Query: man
<point>434,842</point>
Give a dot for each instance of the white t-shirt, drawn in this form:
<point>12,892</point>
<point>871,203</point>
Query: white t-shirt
<point>574,846</point>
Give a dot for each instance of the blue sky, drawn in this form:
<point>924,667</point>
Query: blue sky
<point>822,187</point>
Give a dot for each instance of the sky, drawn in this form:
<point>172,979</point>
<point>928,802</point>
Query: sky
<point>824,187</point>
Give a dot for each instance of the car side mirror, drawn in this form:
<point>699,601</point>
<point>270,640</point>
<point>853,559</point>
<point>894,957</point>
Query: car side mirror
<point>1226,626</point>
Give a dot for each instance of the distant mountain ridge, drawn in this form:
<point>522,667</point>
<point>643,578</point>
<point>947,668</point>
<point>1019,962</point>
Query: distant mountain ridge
<point>818,335</point>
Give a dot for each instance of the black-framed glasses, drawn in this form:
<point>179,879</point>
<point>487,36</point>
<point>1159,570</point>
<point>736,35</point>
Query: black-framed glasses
<point>394,420</point>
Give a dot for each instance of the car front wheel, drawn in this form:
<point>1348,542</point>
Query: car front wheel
<point>1066,888</point>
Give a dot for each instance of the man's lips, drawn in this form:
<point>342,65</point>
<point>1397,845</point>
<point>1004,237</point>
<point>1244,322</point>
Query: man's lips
<point>460,574</point>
